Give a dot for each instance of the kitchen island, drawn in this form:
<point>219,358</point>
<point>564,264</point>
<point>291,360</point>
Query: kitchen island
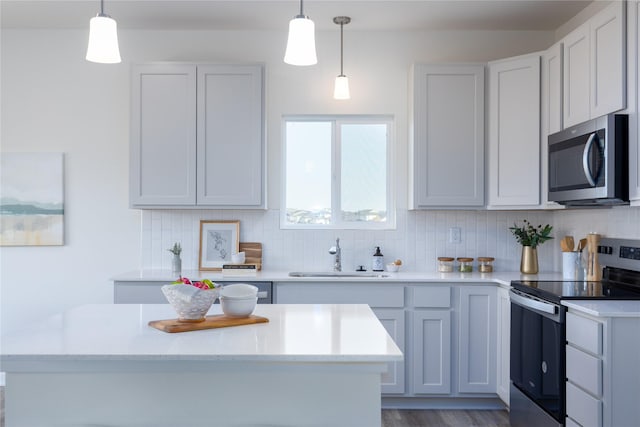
<point>310,365</point>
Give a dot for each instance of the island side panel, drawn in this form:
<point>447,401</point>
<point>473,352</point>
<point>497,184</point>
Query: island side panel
<point>268,394</point>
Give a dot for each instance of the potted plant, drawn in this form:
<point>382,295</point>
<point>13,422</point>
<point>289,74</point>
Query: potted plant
<point>530,237</point>
<point>176,263</point>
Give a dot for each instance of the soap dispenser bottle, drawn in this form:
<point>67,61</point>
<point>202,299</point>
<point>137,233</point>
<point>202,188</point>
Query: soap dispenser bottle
<point>378,260</point>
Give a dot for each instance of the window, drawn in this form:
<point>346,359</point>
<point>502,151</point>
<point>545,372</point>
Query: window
<point>337,173</point>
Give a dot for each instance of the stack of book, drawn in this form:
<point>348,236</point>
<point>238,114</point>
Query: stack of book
<point>239,269</point>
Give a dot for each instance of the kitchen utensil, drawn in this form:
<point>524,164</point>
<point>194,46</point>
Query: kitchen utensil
<point>566,244</point>
<point>594,272</point>
<point>210,322</point>
<point>582,244</point>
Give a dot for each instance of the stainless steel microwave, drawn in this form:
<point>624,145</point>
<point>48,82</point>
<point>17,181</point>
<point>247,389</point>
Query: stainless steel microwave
<point>588,163</point>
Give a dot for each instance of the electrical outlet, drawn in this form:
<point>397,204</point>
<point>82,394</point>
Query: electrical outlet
<point>455,235</point>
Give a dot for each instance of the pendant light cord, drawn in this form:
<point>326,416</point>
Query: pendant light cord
<point>341,49</point>
<point>301,13</point>
<point>101,7</point>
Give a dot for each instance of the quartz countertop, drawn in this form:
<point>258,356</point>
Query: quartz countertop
<point>120,332</point>
<point>605,308</point>
<point>501,278</point>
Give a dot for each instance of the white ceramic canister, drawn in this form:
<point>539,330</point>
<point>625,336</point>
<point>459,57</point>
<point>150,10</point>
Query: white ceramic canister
<point>572,268</point>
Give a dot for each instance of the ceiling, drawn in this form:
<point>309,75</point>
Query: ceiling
<point>382,15</point>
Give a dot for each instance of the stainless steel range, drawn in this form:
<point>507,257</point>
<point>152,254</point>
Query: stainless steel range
<point>538,331</point>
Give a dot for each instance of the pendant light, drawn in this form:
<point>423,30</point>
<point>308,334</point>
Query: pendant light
<point>103,39</point>
<point>301,44</point>
<point>341,89</point>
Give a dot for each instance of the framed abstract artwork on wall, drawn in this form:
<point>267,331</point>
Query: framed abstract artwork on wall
<point>31,199</point>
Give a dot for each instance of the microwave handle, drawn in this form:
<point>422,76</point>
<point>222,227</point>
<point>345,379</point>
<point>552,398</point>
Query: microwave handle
<point>585,159</point>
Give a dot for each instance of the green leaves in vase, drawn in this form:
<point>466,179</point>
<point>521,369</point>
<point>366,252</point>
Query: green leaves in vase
<point>528,235</point>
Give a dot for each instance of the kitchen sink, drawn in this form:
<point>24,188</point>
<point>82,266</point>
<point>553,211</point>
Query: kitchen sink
<point>334,274</point>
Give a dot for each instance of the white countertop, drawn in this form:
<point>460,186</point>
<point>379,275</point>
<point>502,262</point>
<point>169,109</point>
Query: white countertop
<point>501,278</point>
<point>605,308</point>
<point>120,332</point>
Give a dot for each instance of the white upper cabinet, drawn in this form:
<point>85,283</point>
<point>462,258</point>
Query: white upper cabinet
<point>230,135</point>
<point>576,76</point>
<point>448,136</point>
<point>197,136</point>
<point>514,132</point>
<point>595,67</point>
<point>633,39</point>
<point>163,135</point>
<point>551,108</point>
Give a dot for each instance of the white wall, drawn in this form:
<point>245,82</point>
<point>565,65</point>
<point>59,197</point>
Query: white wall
<point>53,100</point>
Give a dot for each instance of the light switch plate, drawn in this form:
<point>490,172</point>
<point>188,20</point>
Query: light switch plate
<point>455,235</point>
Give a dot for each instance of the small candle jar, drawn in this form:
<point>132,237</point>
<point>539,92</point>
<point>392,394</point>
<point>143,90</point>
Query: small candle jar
<point>485,264</point>
<point>465,265</point>
<point>445,264</point>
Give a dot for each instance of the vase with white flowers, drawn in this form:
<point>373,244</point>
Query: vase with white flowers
<point>530,237</point>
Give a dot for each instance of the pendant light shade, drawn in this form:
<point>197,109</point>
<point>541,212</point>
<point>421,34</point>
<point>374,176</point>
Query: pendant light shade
<point>301,44</point>
<point>341,88</point>
<point>103,39</point>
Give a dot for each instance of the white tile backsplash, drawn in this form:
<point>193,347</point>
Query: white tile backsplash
<point>421,237</point>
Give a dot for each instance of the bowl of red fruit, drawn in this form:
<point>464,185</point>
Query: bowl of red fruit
<point>191,300</point>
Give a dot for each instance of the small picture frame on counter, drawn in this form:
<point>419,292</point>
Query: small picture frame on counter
<point>219,239</point>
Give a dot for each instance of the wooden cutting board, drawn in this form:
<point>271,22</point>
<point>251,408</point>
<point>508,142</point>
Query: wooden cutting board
<point>210,322</point>
<point>252,252</point>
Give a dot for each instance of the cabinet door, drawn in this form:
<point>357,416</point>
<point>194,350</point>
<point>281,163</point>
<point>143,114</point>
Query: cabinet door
<point>477,340</point>
<point>163,135</point>
<point>230,136</point>
<point>608,65</point>
<point>634,89</point>
<point>576,79</point>
<point>448,141</point>
<point>514,132</point>
<point>431,352</point>
<point>551,113</point>
<point>393,322</point>
<point>504,344</point>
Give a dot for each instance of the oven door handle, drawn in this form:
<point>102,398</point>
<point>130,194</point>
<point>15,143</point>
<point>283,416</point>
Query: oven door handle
<point>533,303</point>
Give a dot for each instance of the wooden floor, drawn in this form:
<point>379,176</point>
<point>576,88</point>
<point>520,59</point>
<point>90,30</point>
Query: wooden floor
<point>442,418</point>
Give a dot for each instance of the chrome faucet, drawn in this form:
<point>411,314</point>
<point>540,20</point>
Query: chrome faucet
<point>335,250</point>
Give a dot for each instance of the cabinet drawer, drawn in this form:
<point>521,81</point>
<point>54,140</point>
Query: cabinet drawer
<point>428,296</point>
<point>584,333</point>
<point>584,370</point>
<point>391,296</point>
<point>583,408</point>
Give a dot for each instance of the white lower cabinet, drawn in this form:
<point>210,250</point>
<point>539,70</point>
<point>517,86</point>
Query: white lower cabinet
<point>503,359</point>
<point>603,378</point>
<point>393,321</point>
<point>431,334</point>
<point>477,339</point>
<point>386,301</point>
<point>448,333</point>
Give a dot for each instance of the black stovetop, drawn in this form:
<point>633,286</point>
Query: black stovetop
<point>620,278</point>
<point>562,290</point>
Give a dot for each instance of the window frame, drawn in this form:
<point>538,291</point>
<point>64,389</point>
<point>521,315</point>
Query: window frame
<point>336,179</point>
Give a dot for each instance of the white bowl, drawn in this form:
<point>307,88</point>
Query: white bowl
<point>238,258</point>
<point>189,302</point>
<point>239,290</point>
<point>238,307</point>
<point>392,267</point>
